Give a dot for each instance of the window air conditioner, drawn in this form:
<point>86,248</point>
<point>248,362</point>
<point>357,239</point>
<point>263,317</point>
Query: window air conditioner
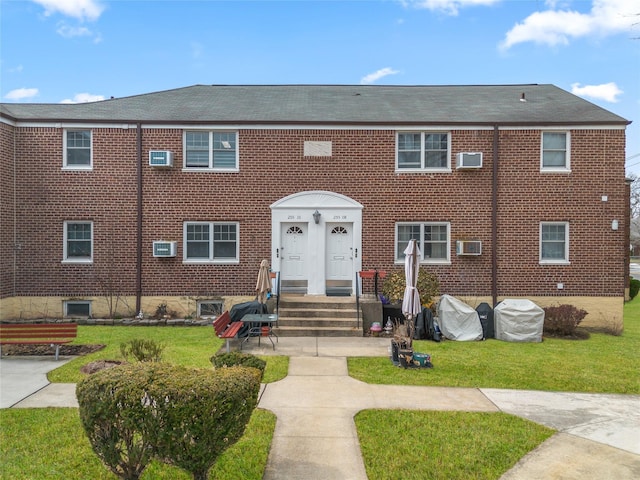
<point>468,247</point>
<point>164,249</point>
<point>469,160</point>
<point>160,158</point>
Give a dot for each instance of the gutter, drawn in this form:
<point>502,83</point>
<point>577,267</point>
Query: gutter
<point>494,218</point>
<point>139,221</point>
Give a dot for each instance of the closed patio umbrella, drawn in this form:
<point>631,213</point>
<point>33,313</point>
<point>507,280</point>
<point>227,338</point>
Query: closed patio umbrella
<point>263,285</point>
<point>411,300</point>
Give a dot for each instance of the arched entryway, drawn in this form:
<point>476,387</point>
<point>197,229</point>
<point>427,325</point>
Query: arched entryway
<point>316,240</point>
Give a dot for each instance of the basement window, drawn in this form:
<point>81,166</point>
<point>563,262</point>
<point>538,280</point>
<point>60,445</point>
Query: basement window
<point>77,308</point>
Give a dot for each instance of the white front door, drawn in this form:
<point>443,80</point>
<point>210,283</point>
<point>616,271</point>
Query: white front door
<point>339,255</point>
<point>293,254</point>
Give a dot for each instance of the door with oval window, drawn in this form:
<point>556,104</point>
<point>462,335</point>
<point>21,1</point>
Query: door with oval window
<point>293,257</point>
<point>339,258</point>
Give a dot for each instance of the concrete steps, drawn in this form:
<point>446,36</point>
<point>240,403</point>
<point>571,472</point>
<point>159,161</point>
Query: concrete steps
<point>315,316</point>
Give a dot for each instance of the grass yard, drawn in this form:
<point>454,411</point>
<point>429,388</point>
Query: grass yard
<point>602,364</point>
<point>411,445</point>
<point>49,443</point>
<point>188,346</point>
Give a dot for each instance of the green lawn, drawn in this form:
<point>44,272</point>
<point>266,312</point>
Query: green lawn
<point>43,444</point>
<point>603,363</point>
<point>188,346</point>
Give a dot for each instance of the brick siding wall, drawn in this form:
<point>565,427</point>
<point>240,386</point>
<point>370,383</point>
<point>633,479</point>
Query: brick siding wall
<point>272,166</point>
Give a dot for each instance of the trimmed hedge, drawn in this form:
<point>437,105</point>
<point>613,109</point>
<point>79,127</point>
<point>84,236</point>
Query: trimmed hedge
<point>182,416</point>
<point>230,359</point>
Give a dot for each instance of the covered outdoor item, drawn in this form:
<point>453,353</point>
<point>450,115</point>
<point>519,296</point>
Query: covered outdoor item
<point>518,320</point>
<point>238,311</point>
<point>263,285</point>
<point>485,312</point>
<point>457,320</point>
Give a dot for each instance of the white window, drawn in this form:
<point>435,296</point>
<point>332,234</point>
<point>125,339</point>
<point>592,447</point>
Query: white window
<point>206,150</point>
<point>77,308</point>
<point>207,242</point>
<point>77,150</point>
<point>433,240</point>
<point>78,242</point>
<point>554,242</point>
<point>423,151</point>
<point>555,152</point>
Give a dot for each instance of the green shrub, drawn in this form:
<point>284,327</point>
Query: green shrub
<point>204,414</point>
<point>395,283</point>
<point>143,350</point>
<point>562,320</point>
<point>230,359</point>
<point>114,415</point>
<point>634,287</point>
<point>183,416</point>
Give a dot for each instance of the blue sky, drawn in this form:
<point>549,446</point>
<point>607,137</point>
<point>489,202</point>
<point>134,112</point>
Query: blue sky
<point>55,51</point>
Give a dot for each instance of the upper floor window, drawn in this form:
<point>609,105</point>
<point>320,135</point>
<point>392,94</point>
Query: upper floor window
<point>433,240</point>
<point>555,151</point>
<point>211,242</point>
<point>78,242</point>
<point>423,151</point>
<point>77,149</point>
<point>211,150</point>
<point>554,242</point>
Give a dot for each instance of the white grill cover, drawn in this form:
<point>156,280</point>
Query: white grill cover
<point>457,320</point>
<point>518,320</point>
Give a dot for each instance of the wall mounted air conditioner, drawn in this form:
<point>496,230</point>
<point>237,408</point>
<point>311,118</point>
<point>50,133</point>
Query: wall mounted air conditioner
<point>468,247</point>
<point>160,158</point>
<point>469,160</point>
<point>164,249</point>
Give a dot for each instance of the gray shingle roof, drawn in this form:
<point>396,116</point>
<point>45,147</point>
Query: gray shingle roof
<point>332,104</point>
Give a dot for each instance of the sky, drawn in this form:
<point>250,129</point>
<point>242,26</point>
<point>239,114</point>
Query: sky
<point>54,51</point>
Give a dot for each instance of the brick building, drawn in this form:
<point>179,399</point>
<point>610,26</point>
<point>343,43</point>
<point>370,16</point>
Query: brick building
<point>512,191</point>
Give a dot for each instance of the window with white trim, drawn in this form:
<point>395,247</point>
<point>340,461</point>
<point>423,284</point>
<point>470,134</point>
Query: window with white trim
<point>77,150</point>
<point>205,150</point>
<point>423,151</point>
<point>78,242</point>
<point>555,151</point>
<point>77,308</point>
<point>554,242</point>
<point>211,242</point>
<point>433,240</point>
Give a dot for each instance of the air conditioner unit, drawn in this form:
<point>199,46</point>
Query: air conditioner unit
<point>164,249</point>
<point>160,158</point>
<point>468,247</point>
<point>468,160</point>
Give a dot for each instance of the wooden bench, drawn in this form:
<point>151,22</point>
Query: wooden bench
<point>54,334</point>
<point>225,328</point>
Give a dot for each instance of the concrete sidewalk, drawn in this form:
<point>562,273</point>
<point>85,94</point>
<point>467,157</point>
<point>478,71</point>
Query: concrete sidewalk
<point>315,435</point>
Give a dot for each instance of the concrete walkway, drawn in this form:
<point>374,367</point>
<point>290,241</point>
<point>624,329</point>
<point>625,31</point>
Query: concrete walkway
<point>315,435</point>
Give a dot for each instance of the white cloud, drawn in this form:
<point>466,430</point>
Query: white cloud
<point>558,27</point>
<point>451,7</point>
<point>372,77</point>
<point>21,93</point>
<point>80,9</point>
<point>68,31</point>
<point>608,92</point>
<point>16,69</point>
<point>83,98</point>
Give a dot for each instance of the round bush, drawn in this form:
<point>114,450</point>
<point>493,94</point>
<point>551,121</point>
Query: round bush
<point>183,416</point>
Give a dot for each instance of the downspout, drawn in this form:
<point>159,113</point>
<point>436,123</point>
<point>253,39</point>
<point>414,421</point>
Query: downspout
<point>494,219</point>
<point>139,223</point>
